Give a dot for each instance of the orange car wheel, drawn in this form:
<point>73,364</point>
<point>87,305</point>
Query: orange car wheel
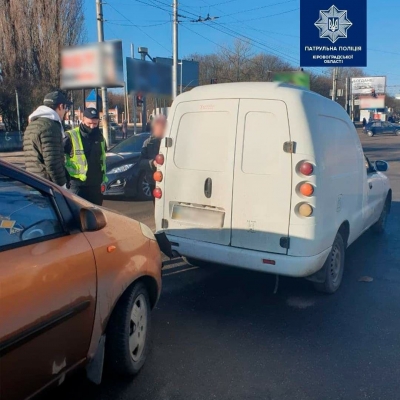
<point>128,332</point>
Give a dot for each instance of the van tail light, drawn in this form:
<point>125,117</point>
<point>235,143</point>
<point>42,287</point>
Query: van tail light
<point>158,176</point>
<point>157,193</point>
<point>306,168</point>
<point>160,159</point>
<point>306,189</point>
<point>103,188</point>
<point>305,210</point>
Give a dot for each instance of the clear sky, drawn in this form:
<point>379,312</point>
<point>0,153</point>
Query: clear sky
<point>272,25</point>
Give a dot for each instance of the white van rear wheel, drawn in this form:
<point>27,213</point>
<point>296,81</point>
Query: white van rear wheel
<point>334,267</point>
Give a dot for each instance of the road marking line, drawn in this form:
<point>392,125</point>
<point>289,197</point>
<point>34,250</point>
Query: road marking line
<point>182,270</point>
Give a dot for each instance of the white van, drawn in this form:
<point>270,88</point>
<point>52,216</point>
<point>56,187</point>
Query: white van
<point>269,177</point>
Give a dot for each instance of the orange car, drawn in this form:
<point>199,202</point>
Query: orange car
<point>77,284</point>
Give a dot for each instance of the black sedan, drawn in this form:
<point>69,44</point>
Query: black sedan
<point>381,127</point>
<point>124,175</point>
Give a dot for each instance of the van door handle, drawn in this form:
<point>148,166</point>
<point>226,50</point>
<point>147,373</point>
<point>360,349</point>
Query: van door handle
<point>370,185</point>
<point>208,188</point>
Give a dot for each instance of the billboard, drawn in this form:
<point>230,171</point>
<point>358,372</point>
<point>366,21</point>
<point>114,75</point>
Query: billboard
<point>92,65</point>
<point>368,102</point>
<point>295,78</point>
<point>333,33</point>
<point>148,77</point>
<point>368,85</point>
<point>190,71</point>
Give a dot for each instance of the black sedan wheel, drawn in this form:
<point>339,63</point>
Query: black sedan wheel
<point>398,132</point>
<point>143,188</point>
<point>370,133</point>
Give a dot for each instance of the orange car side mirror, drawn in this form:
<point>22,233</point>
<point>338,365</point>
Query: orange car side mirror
<point>92,219</point>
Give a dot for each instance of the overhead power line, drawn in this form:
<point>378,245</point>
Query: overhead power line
<point>259,8</point>
<point>138,27</point>
<point>256,43</point>
<point>206,19</point>
<point>265,16</point>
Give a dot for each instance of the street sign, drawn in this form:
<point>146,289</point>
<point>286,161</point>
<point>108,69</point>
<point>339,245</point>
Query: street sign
<point>93,65</point>
<point>333,33</point>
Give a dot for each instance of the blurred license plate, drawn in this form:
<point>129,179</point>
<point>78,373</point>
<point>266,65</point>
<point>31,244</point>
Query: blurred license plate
<point>198,216</point>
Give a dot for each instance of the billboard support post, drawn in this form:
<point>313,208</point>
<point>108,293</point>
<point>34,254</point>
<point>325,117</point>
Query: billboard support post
<point>133,97</point>
<point>72,110</point>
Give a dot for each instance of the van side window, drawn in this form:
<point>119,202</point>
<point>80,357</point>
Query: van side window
<point>201,142</point>
<point>262,143</point>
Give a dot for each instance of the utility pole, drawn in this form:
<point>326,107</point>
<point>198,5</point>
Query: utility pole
<point>175,50</point>
<point>334,78</point>
<point>134,97</point>
<point>100,36</point>
<point>19,120</point>
<point>347,95</point>
<point>143,53</point>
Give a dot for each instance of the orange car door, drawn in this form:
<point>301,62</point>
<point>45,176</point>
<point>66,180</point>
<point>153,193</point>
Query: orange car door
<point>47,287</point>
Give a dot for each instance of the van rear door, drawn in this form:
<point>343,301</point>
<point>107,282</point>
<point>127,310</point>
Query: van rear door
<point>262,177</point>
<point>199,171</point>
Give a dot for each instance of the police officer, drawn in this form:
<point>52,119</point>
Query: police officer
<point>85,153</point>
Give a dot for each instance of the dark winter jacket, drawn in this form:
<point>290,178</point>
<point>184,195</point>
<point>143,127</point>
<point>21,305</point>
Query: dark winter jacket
<point>151,147</point>
<point>91,142</point>
<point>43,147</point>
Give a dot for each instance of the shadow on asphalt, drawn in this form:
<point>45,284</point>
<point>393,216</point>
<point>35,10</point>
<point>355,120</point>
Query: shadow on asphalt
<point>218,325</point>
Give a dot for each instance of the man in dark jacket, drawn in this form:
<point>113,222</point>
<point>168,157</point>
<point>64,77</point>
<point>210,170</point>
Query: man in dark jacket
<point>85,149</point>
<point>151,147</point>
<point>43,139</point>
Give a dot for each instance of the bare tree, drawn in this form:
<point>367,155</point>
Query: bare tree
<point>236,60</point>
<point>32,34</point>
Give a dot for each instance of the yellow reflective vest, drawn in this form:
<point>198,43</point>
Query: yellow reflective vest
<point>76,164</point>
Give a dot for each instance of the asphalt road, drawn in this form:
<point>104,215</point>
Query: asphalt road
<point>221,333</point>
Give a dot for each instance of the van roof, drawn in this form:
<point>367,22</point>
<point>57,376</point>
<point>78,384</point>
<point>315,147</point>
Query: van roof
<point>253,90</point>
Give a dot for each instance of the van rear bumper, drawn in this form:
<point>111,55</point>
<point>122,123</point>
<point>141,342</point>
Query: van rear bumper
<point>249,259</point>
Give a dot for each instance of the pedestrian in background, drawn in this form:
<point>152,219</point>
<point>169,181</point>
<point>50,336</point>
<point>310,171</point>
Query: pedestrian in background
<point>124,129</point>
<point>43,139</point>
<point>364,122</point>
<point>148,124</point>
<point>85,151</point>
<point>151,147</point>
